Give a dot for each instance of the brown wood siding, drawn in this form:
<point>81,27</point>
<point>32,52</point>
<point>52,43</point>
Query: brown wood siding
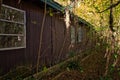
<point>53,37</point>
<point>58,32</point>
<point>58,37</point>
<point>11,59</point>
<point>47,42</point>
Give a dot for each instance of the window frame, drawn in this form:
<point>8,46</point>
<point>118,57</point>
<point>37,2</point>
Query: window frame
<point>72,34</point>
<point>15,35</point>
<point>79,34</point>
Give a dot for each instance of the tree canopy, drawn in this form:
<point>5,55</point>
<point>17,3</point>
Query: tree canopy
<point>90,10</point>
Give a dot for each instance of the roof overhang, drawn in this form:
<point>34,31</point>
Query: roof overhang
<point>54,5</point>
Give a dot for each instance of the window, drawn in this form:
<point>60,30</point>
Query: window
<point>72,34</point>
<point>79,35</point>
<point>12,28</point>
<point>76,35</point>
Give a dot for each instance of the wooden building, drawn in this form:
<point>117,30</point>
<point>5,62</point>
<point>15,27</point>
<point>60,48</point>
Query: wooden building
<point>20,29</point>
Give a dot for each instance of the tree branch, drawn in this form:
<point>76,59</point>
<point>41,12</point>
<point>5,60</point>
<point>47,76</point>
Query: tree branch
<point>19,1</point>
<point>41,38</point>
<point>111,18</point>
<point>111,6</point>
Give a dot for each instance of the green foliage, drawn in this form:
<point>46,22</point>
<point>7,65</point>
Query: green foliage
<point>51,12</point>
<point>19,78</point>
<point>74,65</point>
<point>92,7</point>
<point>45,68</point>
<point>32,78</point>
<point>17,74</point>
<point>111,68</point>
<point>118,71</point>
<point>106,78</point>
<point>115,55</point>
<point>72,53</point>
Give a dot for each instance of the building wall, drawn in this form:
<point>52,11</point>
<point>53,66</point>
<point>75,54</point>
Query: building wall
<point>53,38</point>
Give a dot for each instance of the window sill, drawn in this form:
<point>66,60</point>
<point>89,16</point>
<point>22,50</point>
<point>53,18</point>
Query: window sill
<point>12,48</point>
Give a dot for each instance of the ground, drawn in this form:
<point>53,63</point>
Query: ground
<point>69,75</point>
<point>90,67</point>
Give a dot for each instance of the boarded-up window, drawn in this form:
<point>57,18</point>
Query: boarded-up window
<point>12,28</point>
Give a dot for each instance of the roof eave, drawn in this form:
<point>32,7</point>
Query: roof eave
<point>54,5</point>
